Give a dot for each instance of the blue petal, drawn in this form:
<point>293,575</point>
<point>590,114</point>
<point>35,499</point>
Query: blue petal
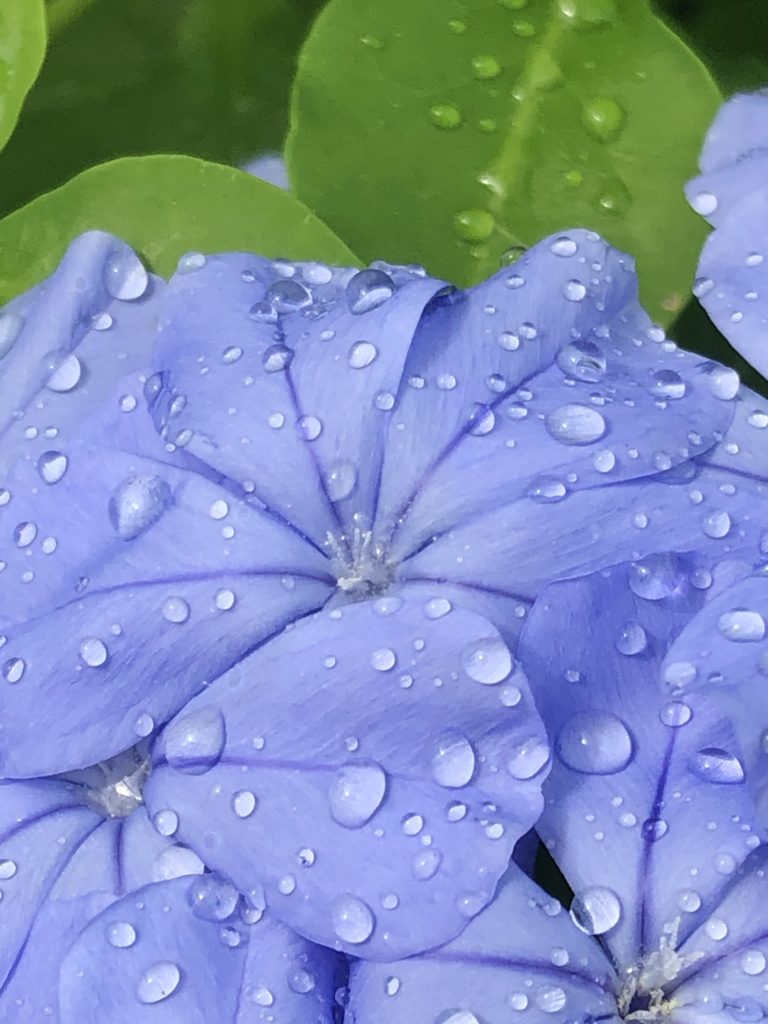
<point>546,414</point>
<point>646,801</point>
<point>521,958</point>
<point>61,862</point>
<point>379,763</point>
<point>128,584</point>
<point>184,953</point>
<point>270,167</point>
<point>723,651</point>
<point>287,372</point>
<point>731,950</point>
<point>738,129</point>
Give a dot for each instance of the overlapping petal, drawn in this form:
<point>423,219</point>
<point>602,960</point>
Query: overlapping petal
<point>284,375</point>
<point>372,768</point>
<point>732,193</point>
<point>61,862</point>
<point>193,952</point>
<point>647,813</point>
<point>522,958</point>
<point>127,584</point>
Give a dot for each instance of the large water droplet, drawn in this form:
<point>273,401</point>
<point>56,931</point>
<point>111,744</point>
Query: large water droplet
<point>121,934</point>
<point>287,296</point>
<point>528,758</point>
<point>158,982</point>
<point>369,289</point>
<point>667,384</point>
<point>595,910</point>
<point>194,742</point>
<point>64,371</point>
<point>137,503</point>
<point>603,118</point>
<point>716,765</point>
<point>583,360</point>
<point>341,480</point>
<point>453,763</point>
<point>362,354</point>
<point>595,742</point>
<point>356,793</point>
<point>212,898</point>
<point>124,275</point>
<point>353,920</point>
<point>52,466</point>
<point>575,424</point>
<point>742,625</point>
<point>487,661</point>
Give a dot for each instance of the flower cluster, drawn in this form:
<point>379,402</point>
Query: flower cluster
<point>320,588</point>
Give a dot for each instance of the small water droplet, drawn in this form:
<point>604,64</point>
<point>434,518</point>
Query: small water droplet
<point>453,763</point>
<point>487,661</point>
<point>11,325</point>
<point>575,424</point>
<point>632,639</point>
<point>603,118</point>
<point>362,354</point>
<point>583,360</point>
<point>445,115</point>
<point>485,67</point>
<point>704,203</point>
<point>124,275</point>
<point>368,289</point>
<point>94,652</point>
<point>474,225</point>
<point>52,466</point>
<point>595,743</point>
<point>194,742</point>
<point>158,982</point>
<point>64,371</point>
<point>121,934</point>
<point>356,793</point>
<point>716,765</point>
<point>137,503</point>
<point>595,910</point>
<point>742,625</point>
<point>353,920</point>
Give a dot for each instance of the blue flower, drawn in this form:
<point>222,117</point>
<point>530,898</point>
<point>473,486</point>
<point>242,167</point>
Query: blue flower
<point>732,193</point>
<point>649,814</point>
<point>297,515</point>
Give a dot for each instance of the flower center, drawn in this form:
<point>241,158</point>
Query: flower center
<point>115,787</point>
<point>360,562</point>
<point>643,993</point>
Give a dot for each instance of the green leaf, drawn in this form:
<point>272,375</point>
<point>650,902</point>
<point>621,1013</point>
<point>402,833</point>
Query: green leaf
<point>449,131</point>
<point>124,77</point>
<point>22,47</point>
<point>164,206</point>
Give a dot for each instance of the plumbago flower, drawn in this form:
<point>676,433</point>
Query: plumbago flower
<point>732,193</point>
<point>296,515</point>
<point>648,813</point>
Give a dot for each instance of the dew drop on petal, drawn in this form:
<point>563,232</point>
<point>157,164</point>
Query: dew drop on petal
<point>353,920</point>
<point>64,371</point>
<point>453,763</point>
<point>575,424</point>
<point>125,277</point>
<point>175,609</point>
<point>723,382</point>
<point>356,793</point>
<point>712,764</point>
<point>704,203</point>
<point>583,360</point>
<point>194,741</point>
<point>368,289</point>
<point>742,625</point>
<point>632,639</point>
<point>136,504</point>
<point>528,758</point>
<point>121,934</point>
<point>52,466</point>
<point>158,982</point>
<point>244,803</point>
<point>362,354</point>
<point>595,743</point>
<point>93,652</point>
<point>11,325</point>
<point>212,898</point>
<point>595,910</point>
<point>487,661</point>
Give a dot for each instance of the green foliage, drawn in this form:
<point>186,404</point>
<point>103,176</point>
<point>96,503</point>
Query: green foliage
<point>210,78</point>
<point>164,206</point>
<point>447,132</point>
<point>22,47</point>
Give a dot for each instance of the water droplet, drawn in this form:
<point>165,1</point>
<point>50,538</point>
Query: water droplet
<point>426,864</point>
<point>309,428</point>
<point>574,291</point>
<point>587,14</point>
<point>52,466</point>
<point>717,525</point>
<point>64,371</point>
<point>741,625</point>
<point>362,354</point>
<point>445,115</point>
<point>137,503</point>
<point>667,384</point>
<point>675,714</point>
<point>124,275</point>
<point>453,763</point>
<point>194,742</point>
<point>8,869</point>
<point>11,325</point>
<point>261,996</point>
<point>632,639</point>
<point>603,118</point>
<point>94,652</point>
<point>353,920</point>
<point>383,660</point>
<point>356,793</point>
<point>301,981</point>
<point>487,661</point>
<point>121,934</point>
<point>14,669</point>
<point>287,296</point>
<point>458,1017</point>
<point>595,743</point>
<point>158,982</point>
<point>583,360</point>
<point>212,898</point>
<point>341,480</point>
<point>595,910</point>
<point>753,962</point>
<point>564,246</point>
<point>704,203</point>
<point>528,758</point>
<point>485,67</point>
<point>716,765</point>
<point>277,358</point>
<point>244,803</point>
<point>575,424</point>
<point>723,382</point>
<point>175,609</point>
<point>368,289</point>
<point>474,225</point>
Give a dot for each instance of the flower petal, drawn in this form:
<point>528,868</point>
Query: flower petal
<point>646,811</point>
<point>365,776</point>
<point>288,365</point>
<point>520,954</point>
<point>126,586</point>
<point>602,399</point>
<point>183,953</point>
<point>738,128</point>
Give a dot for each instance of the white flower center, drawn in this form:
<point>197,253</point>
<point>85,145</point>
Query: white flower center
<point>646,982</point>
<point>360,562</point>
